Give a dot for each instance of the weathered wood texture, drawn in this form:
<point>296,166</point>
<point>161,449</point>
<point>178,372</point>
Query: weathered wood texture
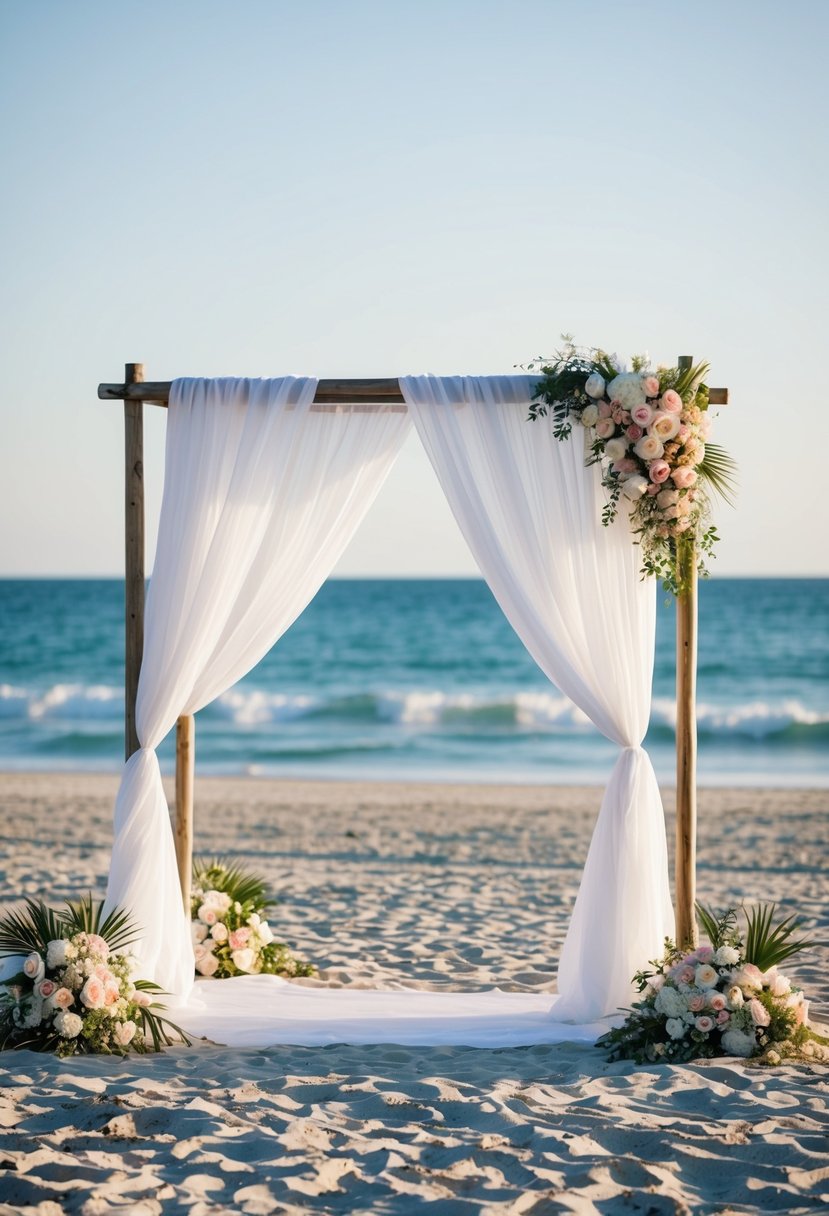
<point>157,392</point>
<point>686,738</point>
<point>133,548</point>
<point>185,779</point>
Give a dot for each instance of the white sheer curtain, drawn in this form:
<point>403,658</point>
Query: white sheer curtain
<point>262,493</point>
<point>531,513</point>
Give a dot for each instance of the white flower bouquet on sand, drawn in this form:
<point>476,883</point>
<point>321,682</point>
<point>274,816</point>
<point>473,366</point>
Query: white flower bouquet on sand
<point>75,991</point>
<point>231,934</point>
<point>728,998</point>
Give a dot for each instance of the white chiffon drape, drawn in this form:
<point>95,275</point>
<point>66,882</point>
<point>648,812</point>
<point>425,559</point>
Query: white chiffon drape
<point>531,514</point>
<point>262,493</point>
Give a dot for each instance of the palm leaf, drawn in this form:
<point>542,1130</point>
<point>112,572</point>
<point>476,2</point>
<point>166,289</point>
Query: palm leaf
<point>30,929</point>
<point>718,927</point>
<point>689,378</point>
<point>768,944</point>
<point>223,875</point>
<point>85,916</point>
<point>720,471</point>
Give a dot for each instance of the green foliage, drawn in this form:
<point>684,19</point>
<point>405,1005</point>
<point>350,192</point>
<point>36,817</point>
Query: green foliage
<point>719,470</point>
<point>219,874</point>
<point>30,929</point>
<point>766,944</point>
<point>719,927</point>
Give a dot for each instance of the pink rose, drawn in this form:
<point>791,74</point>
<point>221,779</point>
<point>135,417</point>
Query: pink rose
<point>92,993</point>
<point>625,466</point>
<point>696,1002</point>
<point>46,988</point>
<point>651,385</point>
<point>686,975</point>
<point>759,1013</point>
<point>723,1016</point>
<point>96,945</point>
<point>705,954</point>
<point>604,409</point>
<point>616,414</point>
<point>642,415</point>
<point>605,428</point>
<point>238,938</point>
<point>634,432</point>
<point>659,471</point>
<point>671,402</point>
<point>683,477</point>
<point>63,998</point>
<point>683,432</point>
<point>649,447</point>
<point>716,1001</point>
<point>653,490</point>
<point>704,1023</point>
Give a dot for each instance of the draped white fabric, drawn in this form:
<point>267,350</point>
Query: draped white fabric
<point>262,493</point>
<point>531,514</point>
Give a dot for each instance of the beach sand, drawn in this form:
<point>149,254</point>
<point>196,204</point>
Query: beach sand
<point>428,886</point>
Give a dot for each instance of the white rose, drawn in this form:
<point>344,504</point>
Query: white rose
<point>207,965</point>
<point>264,933</point>
<point>69,1025</point>
<point>726,956</point>
<point>649,447</point>
<point>634,487</point>
<point>676,1028</point>
<point>628,390</point>
<point>706,976</point>
<point>34,967</point>
<point>243,960</point>
<point>254,919</point>
<point>734,996</point>
<point>208,914</point>
<point>589,415</point>
<point>665,499</point>
<point>665,426</point>
<point>780,985</point>
<point>56,953</point>
<point>198,931</point>
<point>124,1032</point>
<point>219,932</point>
<point>615,449</point>
<point>594,386</point>
<point>737,1043</point>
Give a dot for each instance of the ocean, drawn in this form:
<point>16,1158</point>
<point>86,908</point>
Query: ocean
<point>423,679</point>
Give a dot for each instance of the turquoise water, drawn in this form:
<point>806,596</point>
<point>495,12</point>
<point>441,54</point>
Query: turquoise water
<point>424,679</point>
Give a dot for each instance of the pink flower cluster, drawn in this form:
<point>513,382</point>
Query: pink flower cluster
<point>652,442</point>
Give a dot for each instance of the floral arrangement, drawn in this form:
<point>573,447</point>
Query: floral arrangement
<point>75,992</point>
<point>725,999</point>
<point>231,934</point>
<point>649,430</point>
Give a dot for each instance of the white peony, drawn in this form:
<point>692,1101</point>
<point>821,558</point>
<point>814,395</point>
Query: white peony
<point>595,385</point>
<point>615,449</point>
<point>628,390</point>
<point>726,956</point>
<point>57,954</point>
<point>670,1002</point>
<point>634,487</point>
<point>589,415</point>
<point>69,1025</point>
<point>738,1043</point>
<point>243,959</point>
<point>676,1028</point>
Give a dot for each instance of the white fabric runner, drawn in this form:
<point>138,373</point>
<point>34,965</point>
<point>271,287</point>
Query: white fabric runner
<point>530,511</point>
<point>265,1011</point>
<point>262,493</point>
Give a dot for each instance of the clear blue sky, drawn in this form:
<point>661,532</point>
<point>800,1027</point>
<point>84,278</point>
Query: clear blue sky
<point>374,188</point>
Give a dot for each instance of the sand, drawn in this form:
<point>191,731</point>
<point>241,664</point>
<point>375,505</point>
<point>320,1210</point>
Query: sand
<point>427,886</point>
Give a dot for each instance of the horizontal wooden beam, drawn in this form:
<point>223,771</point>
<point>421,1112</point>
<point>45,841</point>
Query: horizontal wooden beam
<point>329,392</point>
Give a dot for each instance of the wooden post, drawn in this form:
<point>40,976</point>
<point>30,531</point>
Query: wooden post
<point>686,736</point>
<point>134,550</point>
<point>185,776</point>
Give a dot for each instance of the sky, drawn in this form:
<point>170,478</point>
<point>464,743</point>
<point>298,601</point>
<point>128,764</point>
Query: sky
<point>369,189</point>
